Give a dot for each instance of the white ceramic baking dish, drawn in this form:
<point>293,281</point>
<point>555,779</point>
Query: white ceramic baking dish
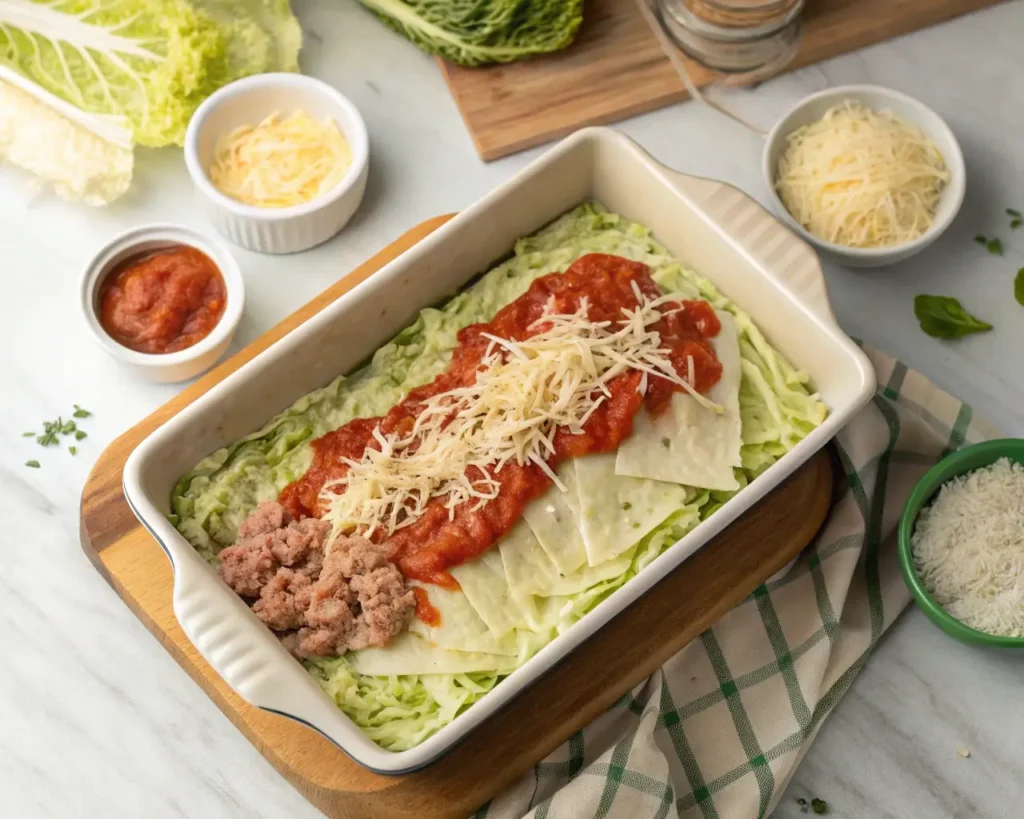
<point>715,228</point>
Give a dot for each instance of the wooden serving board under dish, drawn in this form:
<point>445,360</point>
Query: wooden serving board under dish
<point>593,677</point>
<point>617,69</point>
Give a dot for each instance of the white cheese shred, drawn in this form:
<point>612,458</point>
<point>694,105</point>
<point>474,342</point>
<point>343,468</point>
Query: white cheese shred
<point>861,179</point>
<point>281,162</point>
<point>524,392</point>
<point>968,548</point>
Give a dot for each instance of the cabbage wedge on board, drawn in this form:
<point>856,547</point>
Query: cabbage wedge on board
<point>85,80</point>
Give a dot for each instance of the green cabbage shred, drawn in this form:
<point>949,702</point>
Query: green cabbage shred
<point>776,406</point>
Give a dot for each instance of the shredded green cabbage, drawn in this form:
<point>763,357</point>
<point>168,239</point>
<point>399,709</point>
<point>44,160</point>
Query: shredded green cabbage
<point>400,712</point>
<point>776,407</point>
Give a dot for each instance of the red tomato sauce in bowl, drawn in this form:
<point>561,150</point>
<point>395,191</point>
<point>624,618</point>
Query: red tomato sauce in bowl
<point>162,301</point>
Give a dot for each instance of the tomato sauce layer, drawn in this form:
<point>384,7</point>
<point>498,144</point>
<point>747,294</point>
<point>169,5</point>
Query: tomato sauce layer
<point>425,549</point>
<point>164,301</point>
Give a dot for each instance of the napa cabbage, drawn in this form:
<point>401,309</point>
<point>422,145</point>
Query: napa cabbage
<point>89,79</point>
<point>147,63</point>
<point>53,141</point>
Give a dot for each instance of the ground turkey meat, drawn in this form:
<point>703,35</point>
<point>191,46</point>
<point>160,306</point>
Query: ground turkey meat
<point>268,540</point>
<point>351,598</point>
<point>284,600</point>
<point>378,603</point>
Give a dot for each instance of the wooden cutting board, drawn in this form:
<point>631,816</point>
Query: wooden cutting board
<point>616,68</point>
<point>572,694</point>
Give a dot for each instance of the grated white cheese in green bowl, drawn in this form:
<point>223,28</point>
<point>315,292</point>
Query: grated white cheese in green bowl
<point>968,548</point>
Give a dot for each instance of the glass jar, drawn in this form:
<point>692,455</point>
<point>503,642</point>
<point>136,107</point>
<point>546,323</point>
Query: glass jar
<point>735,36</point>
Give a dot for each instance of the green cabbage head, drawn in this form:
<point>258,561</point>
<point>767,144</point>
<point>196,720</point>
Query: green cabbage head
<point>475,32</point>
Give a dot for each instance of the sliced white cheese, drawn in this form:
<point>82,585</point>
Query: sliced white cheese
<point>461,628</point>
<point>545,614</point>
<point>553,520</point>
<point>409,654</point>
<point>531,573</point>
<point>617,511</point>
<point>528,569</point>
<point>688,443</point>
<point>485,585</point>
<point>587,575</point>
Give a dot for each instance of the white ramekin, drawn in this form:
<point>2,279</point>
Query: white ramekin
<point>877,98</point>
<point>183,364</point>
<point>248,102</point>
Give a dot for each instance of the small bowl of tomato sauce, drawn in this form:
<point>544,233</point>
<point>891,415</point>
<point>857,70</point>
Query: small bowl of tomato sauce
<point>163,300</point>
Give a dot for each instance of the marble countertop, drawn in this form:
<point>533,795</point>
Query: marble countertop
<point>96,719</point>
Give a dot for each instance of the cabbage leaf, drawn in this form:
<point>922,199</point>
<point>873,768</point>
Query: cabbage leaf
<point>476,32</point>
<point>145,63</point>
<point>49,141</point>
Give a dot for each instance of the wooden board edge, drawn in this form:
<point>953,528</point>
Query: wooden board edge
<point>481,150</point>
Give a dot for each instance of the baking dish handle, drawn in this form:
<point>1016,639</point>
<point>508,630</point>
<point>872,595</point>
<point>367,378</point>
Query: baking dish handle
<point>784,255</point>
<point>242,650</point>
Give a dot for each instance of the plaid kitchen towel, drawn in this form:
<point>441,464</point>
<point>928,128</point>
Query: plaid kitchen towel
<point>719,730</point>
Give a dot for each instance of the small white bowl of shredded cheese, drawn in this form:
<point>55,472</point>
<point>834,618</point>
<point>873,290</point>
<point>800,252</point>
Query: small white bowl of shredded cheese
<point>865,173</point>
<point>279,161</point>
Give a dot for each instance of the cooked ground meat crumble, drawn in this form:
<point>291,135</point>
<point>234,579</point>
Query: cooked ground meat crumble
<point>323,606</point>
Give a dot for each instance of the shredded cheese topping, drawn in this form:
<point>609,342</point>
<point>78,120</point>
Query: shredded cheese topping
<point>524,391</point>
<point>281,162</point>
<point>861,179</point>
<point>968,548</point>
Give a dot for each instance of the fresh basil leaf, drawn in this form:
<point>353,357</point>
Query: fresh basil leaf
<point>994,246</point>
<point>945,317</point>
<point>1018,287</point>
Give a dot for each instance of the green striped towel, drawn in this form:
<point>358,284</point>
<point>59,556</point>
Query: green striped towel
<point>719,730</point>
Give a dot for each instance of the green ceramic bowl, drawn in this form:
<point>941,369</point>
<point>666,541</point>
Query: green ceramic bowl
<point>964,460</point>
